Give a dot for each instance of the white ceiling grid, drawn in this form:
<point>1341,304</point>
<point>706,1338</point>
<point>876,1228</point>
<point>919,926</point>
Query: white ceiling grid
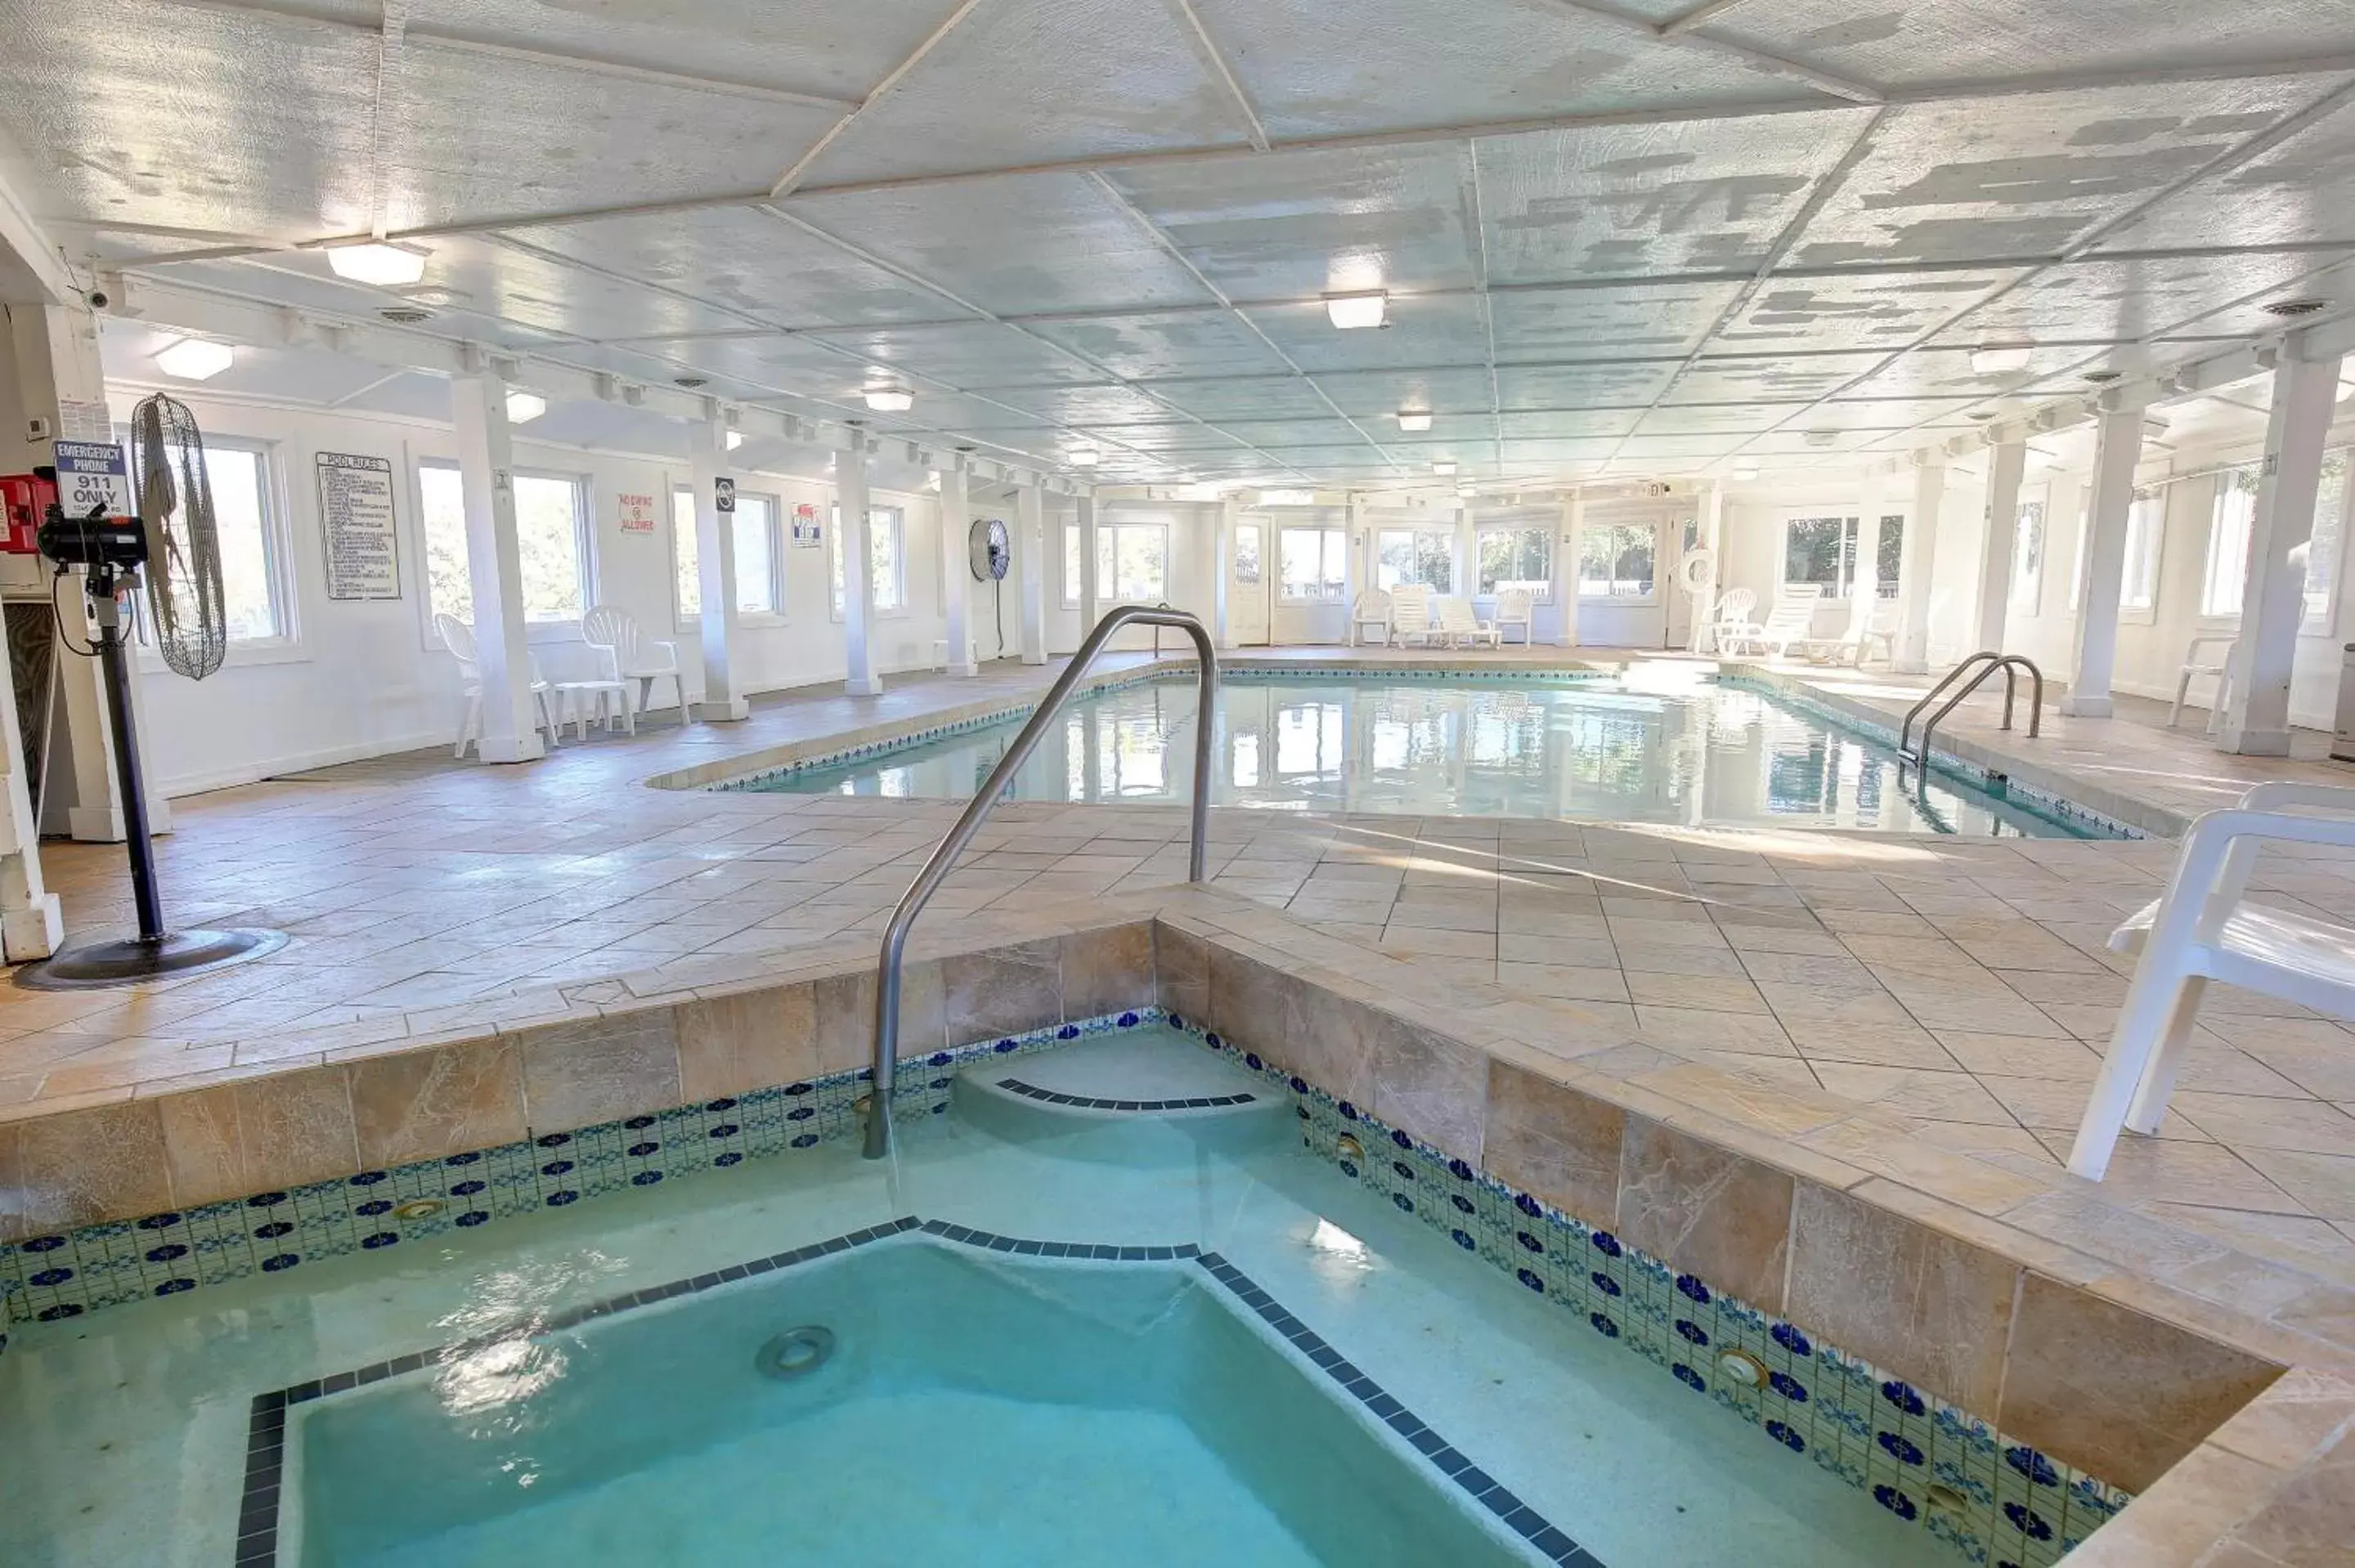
<point>1621,238</point>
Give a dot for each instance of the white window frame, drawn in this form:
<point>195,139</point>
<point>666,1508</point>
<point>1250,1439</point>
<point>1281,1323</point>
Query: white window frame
<point>283,646</point>
<point>1071,565</point>
<point>775,615</point>
<point>1578,581</point>
<point>2143,564</point>
<point>2320,620</point>
<point>1416,534</point>
<point>584,552</point>
<point>1108,542</point>
<point>2225,484</point>
<point>2026,593</point>
<point>1324,561</point>
<point>897,515</point>
<point>1543,588</point>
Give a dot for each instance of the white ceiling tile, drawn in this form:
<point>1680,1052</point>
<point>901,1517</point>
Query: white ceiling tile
<point>1256,398</point>
<point>1561,423</point>
<point>1778,378</point>
<point>746,260</point>
<point>1380,394</point>
<point>1620,321</point>
<point>966,355</point>
<point>1600,385</point>
<point>2097,301</point>
<point>1167,343</point>
<point>2297,193</point>
<point>1429,330</point>
<point>1886,311</point>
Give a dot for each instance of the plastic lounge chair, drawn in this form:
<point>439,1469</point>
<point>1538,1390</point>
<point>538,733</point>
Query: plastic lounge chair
<point>1789,624</point>
<point>1517,607</point>
<point>627,656</point>
<point>1412,615</point>
<point>1464,629</point>
<point>1371,612</point>
<point>459,638</point>
<point>2203,929</point>
<point>2194,665</point>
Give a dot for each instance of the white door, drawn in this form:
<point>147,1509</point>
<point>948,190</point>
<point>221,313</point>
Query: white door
<point>1248,583</point>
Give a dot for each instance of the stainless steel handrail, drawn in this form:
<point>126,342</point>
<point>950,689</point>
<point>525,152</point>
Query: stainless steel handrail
<point>928,881</point>
<point>1985,663</point>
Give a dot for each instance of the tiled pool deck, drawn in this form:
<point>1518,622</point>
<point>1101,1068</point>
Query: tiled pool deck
<point>1961,986</point>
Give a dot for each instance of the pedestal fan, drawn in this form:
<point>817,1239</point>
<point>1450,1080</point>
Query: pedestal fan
<point>174,537</point>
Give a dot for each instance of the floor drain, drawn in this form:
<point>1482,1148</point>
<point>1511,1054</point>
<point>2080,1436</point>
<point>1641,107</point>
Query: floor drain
<point>796,1352</point>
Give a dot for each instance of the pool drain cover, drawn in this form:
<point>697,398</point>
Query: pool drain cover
<point>796,1352</point>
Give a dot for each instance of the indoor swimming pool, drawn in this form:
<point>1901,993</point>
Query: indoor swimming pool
<point>1661,745</point>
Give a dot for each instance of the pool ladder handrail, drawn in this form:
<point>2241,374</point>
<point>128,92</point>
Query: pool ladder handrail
<point>943,858</point>
<point>1981,667</point>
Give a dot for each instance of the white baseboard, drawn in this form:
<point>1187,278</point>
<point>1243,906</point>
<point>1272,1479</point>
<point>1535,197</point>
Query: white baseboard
<point>302,762</point>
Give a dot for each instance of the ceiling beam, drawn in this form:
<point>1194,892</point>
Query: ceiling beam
<point>784,185</point>
<point>33,271</point>
<point>1487,304</point>
<point>1707,11</point>
<point>1840,86</point>
<point>384,149</point>
<point>1217,62</point>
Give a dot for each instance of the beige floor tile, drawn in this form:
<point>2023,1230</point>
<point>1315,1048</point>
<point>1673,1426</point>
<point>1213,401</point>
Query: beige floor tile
<point>1714,993</point>
<point>2019,1057</point>
<point>2175,1171</point>
<point>1755,1033</point>
<point>1876,1045</point>
<point>2252,1122</point>
<point>1568,981</point>
<point>2045,1106</point>
<point>1911,1091</point>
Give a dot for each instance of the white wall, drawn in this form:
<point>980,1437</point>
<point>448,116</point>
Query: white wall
<point>362,679</point>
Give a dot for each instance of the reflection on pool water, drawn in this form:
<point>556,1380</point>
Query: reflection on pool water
<point>1667,747</point>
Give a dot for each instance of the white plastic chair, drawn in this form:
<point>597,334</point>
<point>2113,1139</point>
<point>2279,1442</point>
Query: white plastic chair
<point>628,656</point>
<point>1730,623</point>
<point>459,638</point>
<point>1789,623</point>
<point>1412,615</point>
<point>1517,607</point>
<point>1371,612</point>
<point>1877,624</point>
<point>2194,665</point>
<point>2201,929</point>
<point>1464,629</point>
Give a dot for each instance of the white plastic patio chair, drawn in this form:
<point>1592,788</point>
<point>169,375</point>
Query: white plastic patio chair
<point>628,656</point>
<point>1788,624</point>
<point>1371,612</point>
<point>1517,607</point>
<point>1730,622</point>
<point>1412,615</point>
<point>1464,629</point>
<point>458,637</point>
<point>2201,930</point>
<point>2194,665</point>
<point>1876,625</point>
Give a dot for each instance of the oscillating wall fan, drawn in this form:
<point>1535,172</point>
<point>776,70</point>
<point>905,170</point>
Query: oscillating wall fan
<point>174,537</point>
<point>991,552</point>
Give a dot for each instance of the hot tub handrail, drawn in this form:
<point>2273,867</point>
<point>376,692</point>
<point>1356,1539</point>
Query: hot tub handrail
<point>928,880</point>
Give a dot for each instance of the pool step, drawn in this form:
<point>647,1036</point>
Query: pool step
<point>1125,1097</point>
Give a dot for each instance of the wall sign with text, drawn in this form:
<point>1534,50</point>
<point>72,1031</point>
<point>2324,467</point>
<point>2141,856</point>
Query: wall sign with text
<point>363,547</point>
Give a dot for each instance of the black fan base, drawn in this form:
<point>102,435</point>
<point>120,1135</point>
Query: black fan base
<point>127,960</point>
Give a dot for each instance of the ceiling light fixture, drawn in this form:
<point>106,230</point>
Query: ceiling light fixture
<point>1467,489</point>
<point>524,406</point>
<point>1349,311</point>
<point>1085,457</point>
<point>1414,418</point>
<point>374,261</point>
<point>1746,471</point>
<point>195,359</point>
<point>2001,358</point>
<point>890,397</point>
<point>1443,470</point>
<point>735,440</point>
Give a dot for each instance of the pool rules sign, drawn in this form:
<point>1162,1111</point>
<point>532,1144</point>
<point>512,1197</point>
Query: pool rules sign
<point>355,516</point>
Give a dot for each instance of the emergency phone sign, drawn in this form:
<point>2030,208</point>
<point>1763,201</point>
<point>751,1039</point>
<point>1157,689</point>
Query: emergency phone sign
<point>91,474</point>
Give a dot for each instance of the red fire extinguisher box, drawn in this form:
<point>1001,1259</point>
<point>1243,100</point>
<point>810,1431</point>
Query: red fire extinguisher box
<point>26,499</point>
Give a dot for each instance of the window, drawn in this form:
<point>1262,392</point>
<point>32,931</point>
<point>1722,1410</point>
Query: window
<point>2145,521</point>
<point>551,542</point>
<point>759,561</point>
<point>1314,563</point>
<point>1426,556</point>
<point>1247,552</point>
<point>885,558</point>
<point>1132,563</point>
<point>2028,556</point>
<point>252,595</point>
<point>1071,567</point>
<point>2329,528</point>
<point>1824,551</point>
<point>1515,557</point>
<point>2228,542</point>
<point>1616,561</point>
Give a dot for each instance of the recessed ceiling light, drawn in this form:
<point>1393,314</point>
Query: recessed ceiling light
<point>1349,311</point>
<point>524,406</point>
<point>1414,418</point>
<point>1085,457</point>
<point>735,440</point>
<point>374,261</point>
<point>1443,470</point>
<point>890,397</point>
<point>2295,307</point>
<point>2001,358</point>
<point>195,359</point>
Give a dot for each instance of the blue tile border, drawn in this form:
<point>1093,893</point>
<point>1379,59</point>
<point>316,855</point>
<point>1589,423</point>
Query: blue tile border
<point>265,1452</point>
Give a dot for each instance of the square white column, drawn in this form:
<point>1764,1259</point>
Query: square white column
<point>478,407</point>
<point>2117,448</point>
<point>1091,591</point>
<point>1030,560</point>
<point>1913,568</point>
<point>1222,570</point>
<point>858,571</point>
<point>2273,599</point>
<point>2007,461</point>
<point>956,566</point>
<point>1565,568</point>
<point>715,563</point>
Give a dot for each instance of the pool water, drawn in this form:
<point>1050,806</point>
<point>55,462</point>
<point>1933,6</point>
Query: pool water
<point>976,1410</point>
<point>1664,745</point>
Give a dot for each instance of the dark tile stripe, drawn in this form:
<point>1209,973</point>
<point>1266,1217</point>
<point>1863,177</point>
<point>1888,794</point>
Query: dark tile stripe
<point>1088,1102</point>
<point>1522,1520</point>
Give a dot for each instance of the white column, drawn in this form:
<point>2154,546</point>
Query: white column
<point>858,571</point>
<point>1864,574</point>
<point>1467,552</point>
<point>1565,567</point>
<point>1704,606</point>
<point>1913,568</point>
<point>956,570</point>
<point>1029,559</point>
<point>31,922</point>
<point>2006,460</point>
<point>2273,601</point>
<point>715,566</point>
<point>1091,591</point>
<point>1222,571</point>
<point>2117,447</point>
<point>478,407</point>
